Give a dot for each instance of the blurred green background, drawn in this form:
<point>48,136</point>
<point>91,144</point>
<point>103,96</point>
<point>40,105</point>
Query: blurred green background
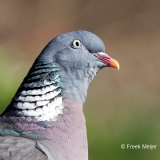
<point>122,107</point>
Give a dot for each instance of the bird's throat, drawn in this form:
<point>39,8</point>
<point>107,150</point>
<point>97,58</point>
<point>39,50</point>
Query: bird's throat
<point>75,84</point>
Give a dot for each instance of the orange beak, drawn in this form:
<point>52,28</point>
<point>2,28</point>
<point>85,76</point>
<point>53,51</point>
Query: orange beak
<point>110,62</point>
<point>114,64</point>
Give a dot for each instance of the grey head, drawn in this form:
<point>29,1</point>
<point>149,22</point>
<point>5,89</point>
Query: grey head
<point>80,55</point>
<point>63,70</point>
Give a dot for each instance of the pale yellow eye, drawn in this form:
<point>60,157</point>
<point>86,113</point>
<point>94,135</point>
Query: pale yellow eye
<point>76,44</point>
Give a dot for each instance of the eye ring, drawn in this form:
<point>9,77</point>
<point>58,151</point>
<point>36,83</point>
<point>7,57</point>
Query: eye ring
<point>76,44</point>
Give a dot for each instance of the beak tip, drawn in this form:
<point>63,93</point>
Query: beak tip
<point>115,64</point>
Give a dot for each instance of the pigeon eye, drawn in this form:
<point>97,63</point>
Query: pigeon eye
<point>76,44</point>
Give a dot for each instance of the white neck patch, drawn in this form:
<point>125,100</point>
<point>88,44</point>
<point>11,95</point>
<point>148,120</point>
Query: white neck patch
<point>43,104</point>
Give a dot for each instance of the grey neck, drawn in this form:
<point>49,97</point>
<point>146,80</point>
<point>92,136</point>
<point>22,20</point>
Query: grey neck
<point>75,83</point>
<point>41,94</point>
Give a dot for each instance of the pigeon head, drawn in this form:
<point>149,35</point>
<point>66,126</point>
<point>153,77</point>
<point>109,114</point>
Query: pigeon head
<point>77,48</point>
<point>79,55</point>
